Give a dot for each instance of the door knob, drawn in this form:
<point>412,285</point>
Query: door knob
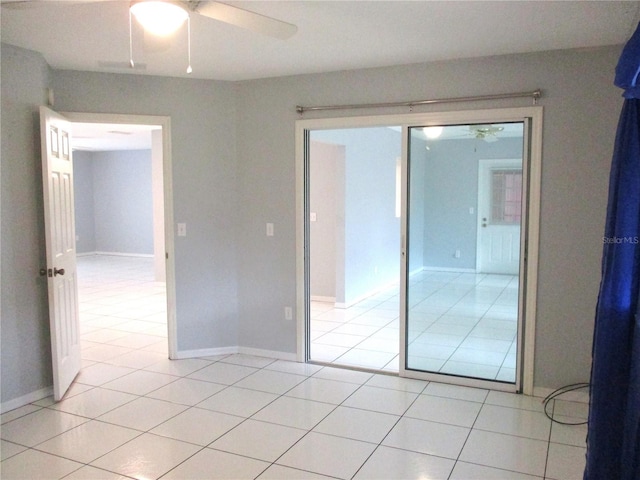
<point>58,272</point>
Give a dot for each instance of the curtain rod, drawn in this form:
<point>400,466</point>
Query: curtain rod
<point>536,94</point>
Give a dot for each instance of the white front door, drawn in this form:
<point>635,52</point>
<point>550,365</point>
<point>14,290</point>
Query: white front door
<point>62,280</point>
<point>499,216</point>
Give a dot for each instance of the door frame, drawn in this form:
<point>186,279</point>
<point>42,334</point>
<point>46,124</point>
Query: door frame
<point>532,117</point>
<point>165,123</point>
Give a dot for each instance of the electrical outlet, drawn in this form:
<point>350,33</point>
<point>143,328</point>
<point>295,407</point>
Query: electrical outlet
<point>288,313</point>
<point>269,229</point>
<point>457,254</point>
<point>182,229</point>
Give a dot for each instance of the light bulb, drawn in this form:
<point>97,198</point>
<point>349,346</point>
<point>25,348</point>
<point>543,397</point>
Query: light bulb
<point>158,17</point>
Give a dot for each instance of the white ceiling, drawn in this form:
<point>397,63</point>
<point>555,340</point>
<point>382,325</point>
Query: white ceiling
<point>105,136</point>
<point>332,35</point>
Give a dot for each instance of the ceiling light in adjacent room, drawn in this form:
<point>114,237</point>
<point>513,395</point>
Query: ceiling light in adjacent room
<point>433,132</point>
<point>159,17</point>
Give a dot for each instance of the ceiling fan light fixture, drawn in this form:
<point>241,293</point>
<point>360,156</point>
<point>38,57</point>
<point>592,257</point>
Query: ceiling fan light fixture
<point>159,17</point>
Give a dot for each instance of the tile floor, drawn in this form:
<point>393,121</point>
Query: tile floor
<point>134,414</point>
<point>459,323</point>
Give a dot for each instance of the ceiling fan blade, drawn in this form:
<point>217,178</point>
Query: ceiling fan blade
<point>246,19</point>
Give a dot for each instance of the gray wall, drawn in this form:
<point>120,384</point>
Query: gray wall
<point>25,344</point>
<point>204,194</point>
<point>233,152</point>
<point>371,230</point>
<point>579,98</point>
<point>119,190</point>
<point>83,202</point>
<point>451,187</point>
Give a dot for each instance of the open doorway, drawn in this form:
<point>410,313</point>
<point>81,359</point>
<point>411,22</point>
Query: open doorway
<point>125,279</point>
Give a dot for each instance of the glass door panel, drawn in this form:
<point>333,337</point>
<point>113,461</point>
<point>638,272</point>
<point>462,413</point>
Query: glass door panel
<point>465,210</point>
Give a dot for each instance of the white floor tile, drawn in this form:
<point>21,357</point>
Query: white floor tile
<point>575,435</point>
<point>8,449</point>
<point>178,367</point>
<point>565,462</point>
<point>34,465</point>
<point>357,424</point>
<point>143,413</point>
<point>294,412</point>
<point>270,381</point>
<point>238,401</point>
<point>455,391</point>
<point>427,437</point>
<point>39,426</point>
<point>197,425</point>
<point>88,441</point>
<point>94,402</point>
<point>325,454</point>
<point>397,383</point>
<point>382,400</point>
<point>444,410</point>
<point>223,373</point>
<point>467,471</point>
<point>94,473</point>
<point>343,375</point>
<point>259,440</point>
<point>19,412</point>
<point>216,465</point>
<point>278,472</point>
<point>506,452</point>
<point>101,373</point>
<point>387,463</point>
<point>248,360</point>
<point>186,391</point>
<point>147,456</point>
<point>323,390</point>
<point>296,368</point>
<point>140,382</point>
<point>514,421</point>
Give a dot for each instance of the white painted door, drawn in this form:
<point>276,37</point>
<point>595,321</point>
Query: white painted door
<point>62,280</point>
<point>499,216</point>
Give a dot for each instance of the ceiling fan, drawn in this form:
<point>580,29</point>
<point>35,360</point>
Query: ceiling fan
<point>488,133</point>
<point>222,12</point>
<point>161,18</point>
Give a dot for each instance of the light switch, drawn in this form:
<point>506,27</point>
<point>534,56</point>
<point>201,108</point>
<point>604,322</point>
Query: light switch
<point>182,229</point>
<point>313,217</point>
<point>269,229</point>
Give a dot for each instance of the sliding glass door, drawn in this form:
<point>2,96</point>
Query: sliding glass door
<point>411,244</point>
<point>465,211</point>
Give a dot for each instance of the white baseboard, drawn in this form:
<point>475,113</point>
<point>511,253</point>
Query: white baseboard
<point>257,352</point>
<point>320,298</point>
<point>581,395</point>
<point>452,270</point>
<point>115,254</point>
<point>204,352</point>
<point>25,399</point>
<point>123,254</point>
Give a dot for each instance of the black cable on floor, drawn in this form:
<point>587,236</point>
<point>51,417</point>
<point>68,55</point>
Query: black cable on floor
<point>558,392</point>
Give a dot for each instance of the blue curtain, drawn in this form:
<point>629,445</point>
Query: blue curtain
<point>613,438</point>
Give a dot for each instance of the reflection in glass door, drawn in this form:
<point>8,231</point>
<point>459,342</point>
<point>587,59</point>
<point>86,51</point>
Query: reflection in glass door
<point>464,225</point>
